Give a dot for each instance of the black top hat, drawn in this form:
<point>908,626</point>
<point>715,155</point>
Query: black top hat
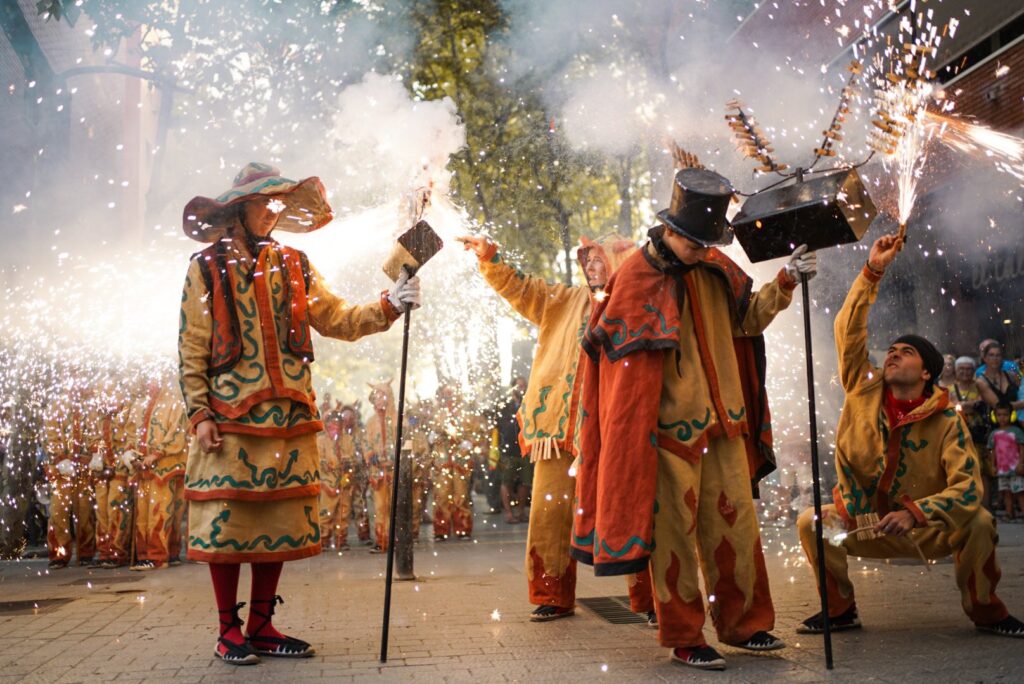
<point>700,199</point>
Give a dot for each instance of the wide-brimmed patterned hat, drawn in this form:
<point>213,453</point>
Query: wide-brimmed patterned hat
<point>302,204</point>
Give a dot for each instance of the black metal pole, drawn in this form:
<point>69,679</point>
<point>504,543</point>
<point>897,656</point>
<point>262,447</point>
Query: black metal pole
<point>816,472</point>
<point>394,490</point>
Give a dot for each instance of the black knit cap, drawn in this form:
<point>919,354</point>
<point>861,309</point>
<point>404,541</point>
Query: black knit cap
<point>933,361</point>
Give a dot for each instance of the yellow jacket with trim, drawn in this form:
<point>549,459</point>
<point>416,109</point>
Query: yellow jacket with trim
<point>926,464</point>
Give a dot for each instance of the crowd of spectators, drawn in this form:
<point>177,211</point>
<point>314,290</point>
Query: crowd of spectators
<point>989,392</point>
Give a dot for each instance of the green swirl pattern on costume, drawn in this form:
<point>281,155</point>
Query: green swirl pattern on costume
<point>249,341</point>
<point>634,541</point>
<point>685,429</point>
<point>566,397</point>
<point>621,333</point>
<point>298,368</point>
<point>855,498</point>
<point>665,329</point>
<point>262,542</point>
<point>267,479</point>
<point>226,386</point>
<point>530,429</point>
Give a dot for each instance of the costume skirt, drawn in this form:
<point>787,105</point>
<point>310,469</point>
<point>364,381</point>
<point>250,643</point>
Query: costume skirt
<point>254,501</point>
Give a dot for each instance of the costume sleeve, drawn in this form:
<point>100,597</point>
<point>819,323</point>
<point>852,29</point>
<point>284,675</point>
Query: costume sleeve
<point>170,439</point>
<point>120,430</point>
<point>53,439</point>
<point>530,296</point>
<point>332,316</point>
<point>195,332</point>
<point>93,431</point>
<point>959,501</point>
<point>765,305</point>
<point>851,330</point>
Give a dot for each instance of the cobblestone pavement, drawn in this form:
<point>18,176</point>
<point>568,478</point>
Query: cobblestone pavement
<point>466,619</point>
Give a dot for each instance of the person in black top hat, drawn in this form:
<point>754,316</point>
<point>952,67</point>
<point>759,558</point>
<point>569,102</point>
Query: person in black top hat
<point>677,413</point>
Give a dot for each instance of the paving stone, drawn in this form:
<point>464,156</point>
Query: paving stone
<point>467,620</point>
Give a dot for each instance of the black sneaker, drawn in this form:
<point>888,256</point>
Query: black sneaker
<point>548,613</point>
<point>652,619</point>
<point>1008,627</point>
<point>701,657</point>
<point>57,564</point>
<point>840,623</point>
<point>761,641</point>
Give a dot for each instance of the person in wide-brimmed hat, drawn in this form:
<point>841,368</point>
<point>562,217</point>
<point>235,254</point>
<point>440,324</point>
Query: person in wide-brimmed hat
<point>245,343</point>
<point>677,427</point>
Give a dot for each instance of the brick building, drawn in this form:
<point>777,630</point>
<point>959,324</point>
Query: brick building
<point>964,282</point>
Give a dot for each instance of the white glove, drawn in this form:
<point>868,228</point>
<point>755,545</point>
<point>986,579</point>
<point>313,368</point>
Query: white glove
<point>802,262</point>
<point>128,458</point>
<point>405,292</point>
<point>96,464</point>
<point>66,468</point>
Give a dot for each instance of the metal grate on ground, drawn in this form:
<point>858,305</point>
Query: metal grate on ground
<point>32,606</point>
<point>103,581</point>
<point>614,609</point>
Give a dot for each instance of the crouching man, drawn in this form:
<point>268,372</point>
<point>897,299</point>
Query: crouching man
<point>906,466</point>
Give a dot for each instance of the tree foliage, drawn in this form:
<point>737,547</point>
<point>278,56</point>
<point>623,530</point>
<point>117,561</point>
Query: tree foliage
<point>252,61</point>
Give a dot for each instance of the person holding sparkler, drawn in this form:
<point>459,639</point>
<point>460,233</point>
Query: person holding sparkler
<point>158,445</point>
<point>245,346</point>
<point>71,526</point>
<point>109,437</point>
<point>452,445</point>
<point>549,414</point>
<point>381,431</point>
<point>677,427</point>
<point>909,478</point>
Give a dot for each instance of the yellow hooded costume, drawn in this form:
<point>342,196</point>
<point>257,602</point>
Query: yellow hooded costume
<point>549,416</point>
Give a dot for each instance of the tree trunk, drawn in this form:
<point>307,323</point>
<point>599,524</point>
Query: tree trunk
<point>626,197</point>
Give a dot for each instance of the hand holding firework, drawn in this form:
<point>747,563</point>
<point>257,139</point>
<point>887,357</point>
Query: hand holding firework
<point>883,252</point>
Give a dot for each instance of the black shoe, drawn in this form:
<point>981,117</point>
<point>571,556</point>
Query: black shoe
<point>145,566</point>
<point>57,564</point>
<point>652,619</point>
<point>701,657</point>
<point>1008,627</point>
<point>174,562</point>
<point>234,654</point>
<point>840,623</point>
<point>548,613</point>
<point>761,641</point>
<point>276,647</point>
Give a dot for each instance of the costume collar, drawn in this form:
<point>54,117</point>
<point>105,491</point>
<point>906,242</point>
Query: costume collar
<point>661,257</point>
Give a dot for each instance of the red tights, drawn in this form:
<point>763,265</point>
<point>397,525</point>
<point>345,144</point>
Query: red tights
<point>265,577</point>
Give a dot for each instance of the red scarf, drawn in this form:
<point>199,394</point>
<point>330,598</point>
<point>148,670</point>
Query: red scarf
<point>898,409</point>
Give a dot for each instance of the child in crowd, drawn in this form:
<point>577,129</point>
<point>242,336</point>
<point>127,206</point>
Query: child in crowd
<point>1006,444</point>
